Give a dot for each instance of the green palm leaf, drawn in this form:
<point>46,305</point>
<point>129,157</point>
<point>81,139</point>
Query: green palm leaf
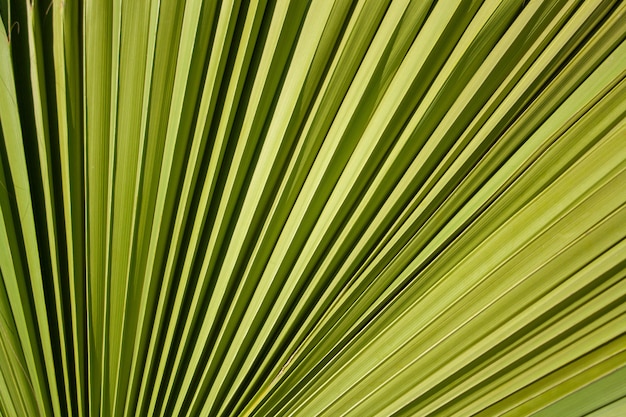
<point>322,207</point>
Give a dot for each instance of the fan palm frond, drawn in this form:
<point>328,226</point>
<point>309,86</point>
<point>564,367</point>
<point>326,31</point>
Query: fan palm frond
<point>320,207</point>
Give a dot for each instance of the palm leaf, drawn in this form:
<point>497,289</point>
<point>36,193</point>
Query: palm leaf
<point>321,207</point>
